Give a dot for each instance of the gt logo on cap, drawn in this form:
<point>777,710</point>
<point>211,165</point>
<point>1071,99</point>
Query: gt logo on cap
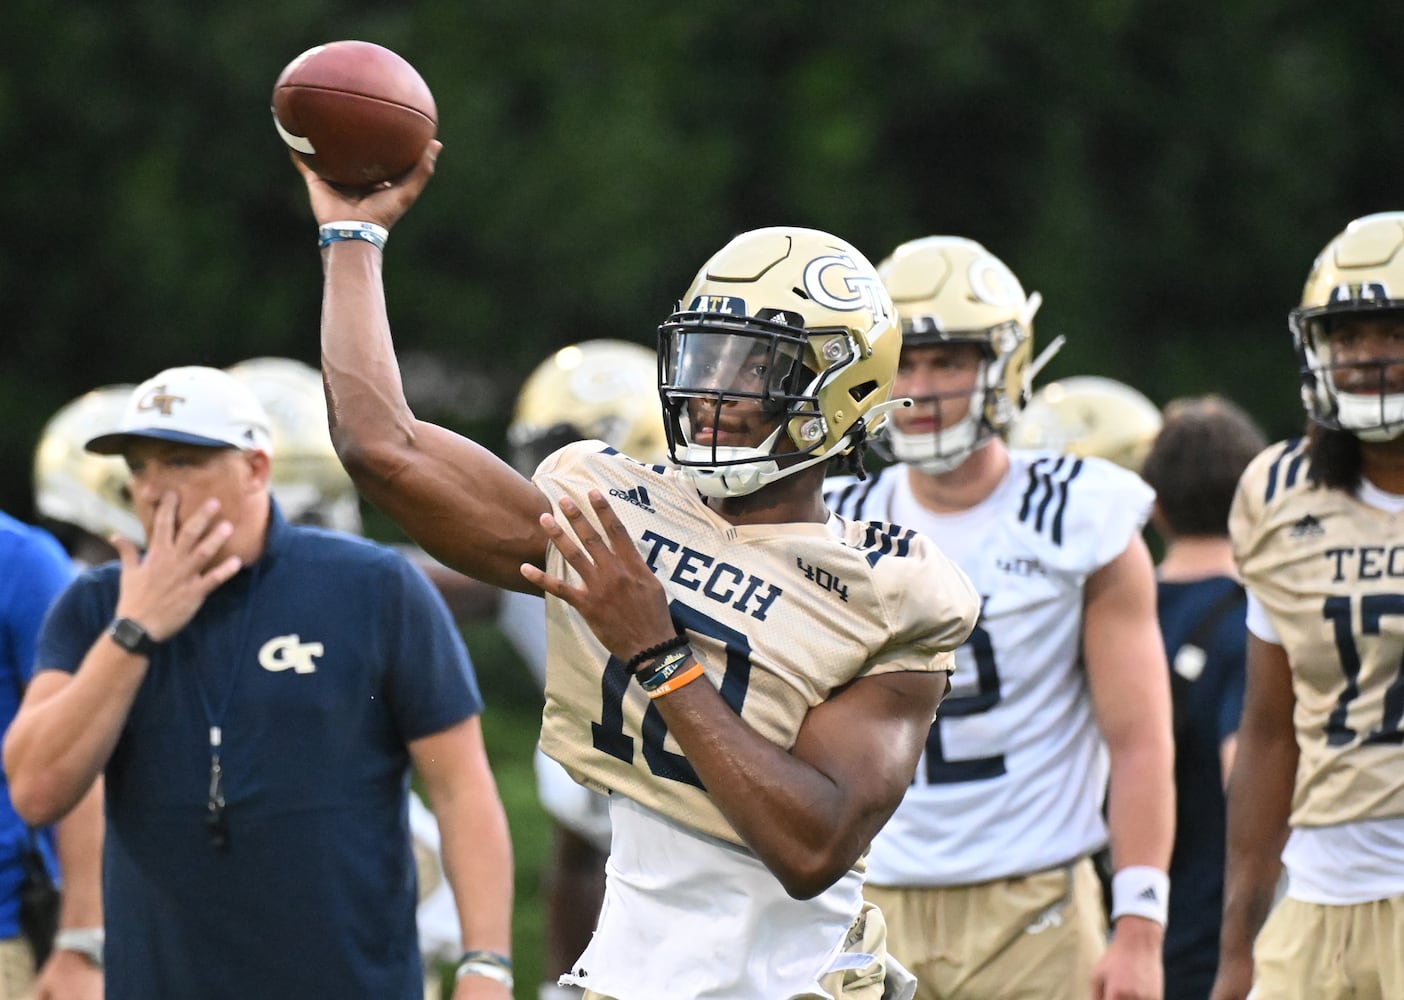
<point>159,399</point>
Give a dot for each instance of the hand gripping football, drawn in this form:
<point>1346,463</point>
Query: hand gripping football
<point>355,112</point>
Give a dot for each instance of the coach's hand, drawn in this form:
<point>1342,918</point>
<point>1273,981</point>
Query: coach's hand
<point>163,589</point>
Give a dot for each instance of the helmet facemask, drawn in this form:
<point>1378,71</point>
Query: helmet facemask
<point>1371,412</point>
<point>995,399</point>
<point>722,378</point>
<point>782,357</point>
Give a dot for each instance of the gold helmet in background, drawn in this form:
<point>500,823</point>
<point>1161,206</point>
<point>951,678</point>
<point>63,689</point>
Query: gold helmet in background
<point>605,390</point>
<point>1089,416</point>
<point>308,480</point>
<point>951,290</point>
<point>1359,273</point>
<point>76,487</point>
<point>795,319</point>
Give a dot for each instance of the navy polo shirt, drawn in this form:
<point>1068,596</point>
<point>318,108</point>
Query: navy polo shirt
<point>318,663</point>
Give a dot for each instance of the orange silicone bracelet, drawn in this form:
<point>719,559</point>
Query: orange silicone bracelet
<point>681,680</point>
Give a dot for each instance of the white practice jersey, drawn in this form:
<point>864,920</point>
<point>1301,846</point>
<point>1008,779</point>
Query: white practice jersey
<point>1014,773</point>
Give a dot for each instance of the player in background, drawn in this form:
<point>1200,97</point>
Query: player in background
<point>84,499</point>
<point>311,487</point>
<point>749,676</point>
<point>308,482</point>
<point>1088,416</point>
<point>1193,466</point>
<point>985,871</point>
<point>1316,534</point>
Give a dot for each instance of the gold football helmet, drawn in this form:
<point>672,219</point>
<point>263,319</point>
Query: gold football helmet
<point>308,481</point>
<point>795,319</point>
<point>604,390</point>
<point>1087,415</point>
<point>75,486</point>
<point>1361,271</point>
<point>951,290</point>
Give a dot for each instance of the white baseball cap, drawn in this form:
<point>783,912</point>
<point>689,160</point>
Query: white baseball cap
<point>191,405</point>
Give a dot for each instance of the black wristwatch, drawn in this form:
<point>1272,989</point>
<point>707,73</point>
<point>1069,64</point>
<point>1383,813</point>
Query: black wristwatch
<point>131,636</point>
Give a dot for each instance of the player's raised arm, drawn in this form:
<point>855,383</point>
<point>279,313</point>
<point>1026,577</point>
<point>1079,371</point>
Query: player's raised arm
<point>455,498</point>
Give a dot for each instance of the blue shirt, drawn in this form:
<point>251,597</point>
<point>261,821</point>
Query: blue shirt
<point>1207,713</point>
<point>318,663</point>
<point>33,570</point>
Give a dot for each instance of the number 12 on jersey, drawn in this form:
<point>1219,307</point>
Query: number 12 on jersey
<point>941,770</point>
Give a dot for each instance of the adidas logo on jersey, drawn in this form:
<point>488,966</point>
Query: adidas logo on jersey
<point>638,496</point>
<point>1307,527</point>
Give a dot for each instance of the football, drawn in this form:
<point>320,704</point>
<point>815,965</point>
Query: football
<point>355,112</point>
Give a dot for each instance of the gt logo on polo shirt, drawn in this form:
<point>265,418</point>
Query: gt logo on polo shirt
<point>289,652</point>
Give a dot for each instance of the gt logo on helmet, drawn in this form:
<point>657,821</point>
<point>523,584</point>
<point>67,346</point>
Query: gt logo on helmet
<point>858,290</point>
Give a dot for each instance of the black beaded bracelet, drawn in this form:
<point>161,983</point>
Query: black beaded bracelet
<point>642,657</point>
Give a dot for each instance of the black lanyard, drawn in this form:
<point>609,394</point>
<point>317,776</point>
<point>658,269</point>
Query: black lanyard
<point>215,819</point>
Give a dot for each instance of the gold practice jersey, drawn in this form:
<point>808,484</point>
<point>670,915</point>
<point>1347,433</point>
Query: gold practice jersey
<point>780,616</point>
<point>1329,571</point>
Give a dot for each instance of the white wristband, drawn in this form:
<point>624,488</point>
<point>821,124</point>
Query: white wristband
<point>1141,891</point>
<point>487,970</point>
<point>367,232</point>
<point>86,941</point>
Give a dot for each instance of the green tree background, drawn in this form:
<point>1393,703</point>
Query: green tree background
<point>1163,177</point>
<point>1162,172</point>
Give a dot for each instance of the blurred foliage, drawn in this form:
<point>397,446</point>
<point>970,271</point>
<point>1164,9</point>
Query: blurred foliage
<point>1164,179</point>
